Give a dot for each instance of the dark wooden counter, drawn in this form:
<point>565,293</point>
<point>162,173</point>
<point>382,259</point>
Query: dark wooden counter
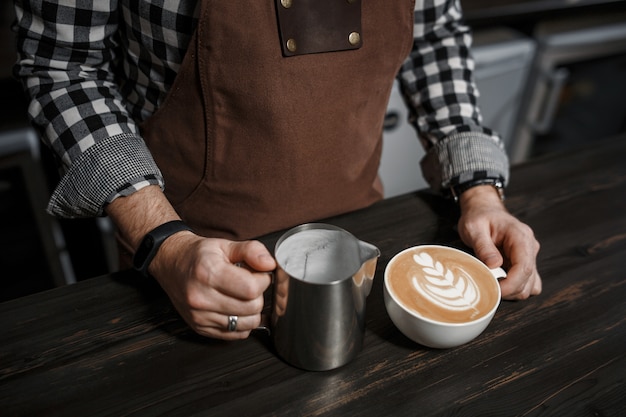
<point>114,346</point>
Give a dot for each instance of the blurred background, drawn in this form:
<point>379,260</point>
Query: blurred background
<point>37,251</point>
<point>552,76</point>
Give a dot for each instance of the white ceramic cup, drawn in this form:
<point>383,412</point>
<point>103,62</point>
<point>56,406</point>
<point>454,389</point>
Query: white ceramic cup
<point>446,296</point>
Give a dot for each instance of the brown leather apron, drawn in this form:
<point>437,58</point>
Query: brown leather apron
<point>251,141</point>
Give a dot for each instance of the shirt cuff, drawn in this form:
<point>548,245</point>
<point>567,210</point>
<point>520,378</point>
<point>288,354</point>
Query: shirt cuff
<point>116,166</point>
<point>463,157</point>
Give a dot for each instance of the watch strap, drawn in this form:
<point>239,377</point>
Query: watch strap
<point>458,189</point>
<point>152,241</point>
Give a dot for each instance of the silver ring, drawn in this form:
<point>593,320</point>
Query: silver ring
<point>232,323</point>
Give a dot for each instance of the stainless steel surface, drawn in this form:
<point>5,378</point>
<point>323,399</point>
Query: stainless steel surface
<point>318,318</point>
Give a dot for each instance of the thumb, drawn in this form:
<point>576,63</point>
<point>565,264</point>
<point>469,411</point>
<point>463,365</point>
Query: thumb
<point>486,250</point>
<point>254,254</point>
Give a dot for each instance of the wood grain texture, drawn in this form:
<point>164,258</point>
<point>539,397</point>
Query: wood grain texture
<point>114,346</point>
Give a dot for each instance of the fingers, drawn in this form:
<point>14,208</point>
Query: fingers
<point>213,288</point>
<point>515,287</point>
<point>247,283</point>
<point>475,231</point>
<point>523,279</point>
<point>239,283</point>
<point>253,253</point>
<point>211,316</point>
<point>217,326</point>
<point>498,238</point>
<point>521,248</point>
<point>486,250</point>
<point>205,286</point>
<point>207,312</point>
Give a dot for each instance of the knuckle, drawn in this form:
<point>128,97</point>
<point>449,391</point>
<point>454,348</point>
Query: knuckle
<point>257,304</point>
<point>254,245</point>
<point>528,271</point>
<point>195,300</point>
<point>194,320</point>
<point>248,291</point>
<point>256,322</point>
<point>470,227</point>
<point>524,294</point>
<point>528,231</point>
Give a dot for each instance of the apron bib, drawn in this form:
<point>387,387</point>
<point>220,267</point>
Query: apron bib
<point>251,141</point>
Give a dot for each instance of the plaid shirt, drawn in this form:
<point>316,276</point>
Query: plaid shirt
<point>94,69</point>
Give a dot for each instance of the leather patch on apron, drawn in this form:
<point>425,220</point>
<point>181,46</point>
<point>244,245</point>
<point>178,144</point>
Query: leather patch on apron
<point>315,26</point>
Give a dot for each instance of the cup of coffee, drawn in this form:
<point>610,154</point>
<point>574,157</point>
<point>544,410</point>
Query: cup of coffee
<point>440,297</point>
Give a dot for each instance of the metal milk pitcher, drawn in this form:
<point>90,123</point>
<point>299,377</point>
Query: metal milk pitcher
<point>323,278</point>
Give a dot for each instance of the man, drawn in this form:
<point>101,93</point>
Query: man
<point>255,116</point>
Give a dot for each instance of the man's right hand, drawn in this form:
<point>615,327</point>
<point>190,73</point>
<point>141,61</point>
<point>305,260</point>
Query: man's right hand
<point>200,275</point>
<point>206,286</point>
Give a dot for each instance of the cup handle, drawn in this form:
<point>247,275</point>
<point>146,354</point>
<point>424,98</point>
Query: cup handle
<point>498,273</point>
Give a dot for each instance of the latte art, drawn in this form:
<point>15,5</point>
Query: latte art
<point>443,284</point>
<point>443,287</point>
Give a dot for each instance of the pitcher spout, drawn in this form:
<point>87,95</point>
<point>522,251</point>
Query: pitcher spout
<point>368,252</point>
<point>364,277</point>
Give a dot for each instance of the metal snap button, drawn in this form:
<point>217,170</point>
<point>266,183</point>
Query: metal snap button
<point>291,45</point>
<point>354,38</point>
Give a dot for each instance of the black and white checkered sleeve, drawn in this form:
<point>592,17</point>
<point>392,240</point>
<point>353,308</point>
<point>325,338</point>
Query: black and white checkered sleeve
<point>436,80</point>
<point>65,55</point>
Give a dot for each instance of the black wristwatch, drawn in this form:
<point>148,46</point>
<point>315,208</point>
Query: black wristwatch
<point>458,189</point>
<point>151,243</point>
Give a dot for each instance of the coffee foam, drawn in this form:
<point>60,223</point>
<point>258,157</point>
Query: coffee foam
<point>442,285</point>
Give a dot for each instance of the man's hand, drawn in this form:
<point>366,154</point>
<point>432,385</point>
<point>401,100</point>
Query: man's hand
<point>199,275</point>
<point>499,239</point>
<point>206,287</point>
